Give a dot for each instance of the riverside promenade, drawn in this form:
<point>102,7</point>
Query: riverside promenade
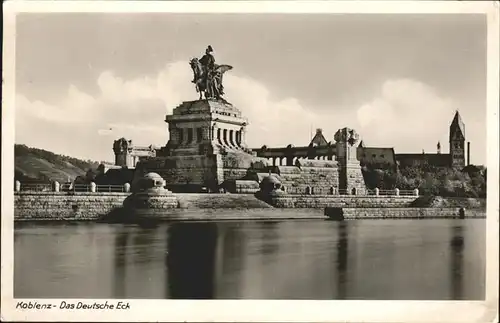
<point>54,202</point>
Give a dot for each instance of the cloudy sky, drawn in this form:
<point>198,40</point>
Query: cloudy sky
<point>396,79</point>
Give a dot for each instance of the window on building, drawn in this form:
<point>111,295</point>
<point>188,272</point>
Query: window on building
<point>374,156</point>
<point>190,136</point>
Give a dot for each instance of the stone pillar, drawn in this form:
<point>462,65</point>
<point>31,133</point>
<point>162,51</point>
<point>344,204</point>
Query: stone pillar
<point>17,186</point>
<point>126,187</point>
<point>191,135</point>
<point>231,138</point>
<point>415,192</point>
<point>204,133</point>
<point>56,186</point>
<point>185,136</point>
<point>224,137</point>
<point>243,139</point>
<point>93,187</point>
<point>350,175</point>
<point>396,191</point>
<point>173,133</point>
<point>219,136</point>
<point>377,191</point>
<point>238,138</point>
<point>213,132</point>
<point>179,135</point>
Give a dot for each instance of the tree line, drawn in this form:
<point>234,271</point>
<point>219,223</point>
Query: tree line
<point>430,180</point>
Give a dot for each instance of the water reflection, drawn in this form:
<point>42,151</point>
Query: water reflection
<point>121,238</point>
<point>457,244</point>
<point>253,260</point>
<point>341,263</point>
<point>190,260</point>
<point>231,247</point>
<point>269,238</point>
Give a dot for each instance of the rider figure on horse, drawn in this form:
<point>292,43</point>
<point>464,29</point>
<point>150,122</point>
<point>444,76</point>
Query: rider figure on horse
<point>209,73</point>
<point>208,60</point>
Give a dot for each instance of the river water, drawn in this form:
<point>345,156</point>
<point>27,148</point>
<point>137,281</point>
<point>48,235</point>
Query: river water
<point>309,259</point>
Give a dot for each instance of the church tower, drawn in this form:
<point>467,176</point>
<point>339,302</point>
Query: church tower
<point>457,142</point>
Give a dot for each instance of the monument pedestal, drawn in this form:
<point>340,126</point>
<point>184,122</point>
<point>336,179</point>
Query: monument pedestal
<point>351,179</point>
<point>206,147</point>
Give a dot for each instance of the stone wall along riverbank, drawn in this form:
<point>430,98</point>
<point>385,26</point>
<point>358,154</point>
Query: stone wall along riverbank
<point>336,213</point>
<point>322,201</point>
<point>258,214</point>
<point>65,206</point>
<point>81,206</point>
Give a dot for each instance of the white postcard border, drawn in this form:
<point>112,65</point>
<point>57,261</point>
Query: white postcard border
<point>257,310</point>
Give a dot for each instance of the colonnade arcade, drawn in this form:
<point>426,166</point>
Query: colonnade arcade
<point>227,137</point>
<point>288,156</point>
<point>224,136</point>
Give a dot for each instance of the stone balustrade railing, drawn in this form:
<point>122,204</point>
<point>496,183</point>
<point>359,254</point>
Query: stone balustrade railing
<point>310,190</point>
<point>57,187</point>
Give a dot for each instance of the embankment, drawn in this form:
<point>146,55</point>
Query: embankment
<point>63,206</point>
<point>87,206</point>
<point>322,201</point>
<point>228,214</point>
<point>449,202</point>
<point>81,206</point>
<point>402,213</point>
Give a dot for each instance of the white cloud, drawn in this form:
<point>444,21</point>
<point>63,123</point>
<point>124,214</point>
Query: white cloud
<point>275,123</point>
<point>72,107</point>
<point>406,114</point>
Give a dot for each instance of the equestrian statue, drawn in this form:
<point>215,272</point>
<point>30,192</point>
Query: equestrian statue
<point>208,75</point>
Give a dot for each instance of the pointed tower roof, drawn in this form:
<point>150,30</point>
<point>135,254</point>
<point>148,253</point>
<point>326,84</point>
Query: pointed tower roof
<point>361,144</point>
<point>457,124</point>
<point>319,139</point>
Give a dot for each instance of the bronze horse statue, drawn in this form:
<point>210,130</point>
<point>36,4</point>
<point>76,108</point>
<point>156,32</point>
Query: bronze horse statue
<point>208,82</point>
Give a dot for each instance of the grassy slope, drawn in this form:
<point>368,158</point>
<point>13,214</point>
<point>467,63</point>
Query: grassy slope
<point>38,165</point>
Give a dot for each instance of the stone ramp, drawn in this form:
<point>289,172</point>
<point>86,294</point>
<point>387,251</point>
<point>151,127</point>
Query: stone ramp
<point>220,201</point>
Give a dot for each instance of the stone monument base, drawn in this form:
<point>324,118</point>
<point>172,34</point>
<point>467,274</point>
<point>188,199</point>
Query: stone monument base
<point>206,148</point>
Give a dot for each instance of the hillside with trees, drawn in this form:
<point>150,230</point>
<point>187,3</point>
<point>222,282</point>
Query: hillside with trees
<point>33,165</point>
<point>430,180</point>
